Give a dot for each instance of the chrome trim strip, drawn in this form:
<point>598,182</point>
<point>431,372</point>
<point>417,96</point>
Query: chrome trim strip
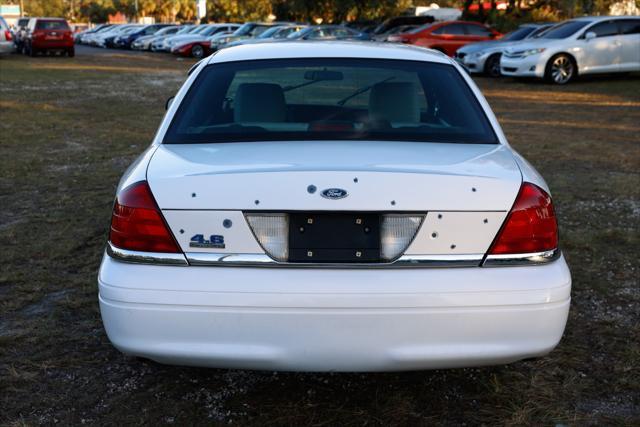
<point>263,260</point>
<point>145,257</point>
<point>534,258</point>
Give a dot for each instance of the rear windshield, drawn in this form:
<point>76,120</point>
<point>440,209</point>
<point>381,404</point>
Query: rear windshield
<point>51,25</point>
<point>311,99</point>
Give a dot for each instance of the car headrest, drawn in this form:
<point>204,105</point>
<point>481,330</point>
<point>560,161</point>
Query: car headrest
<point>395,102</point>
<point>259,102</point>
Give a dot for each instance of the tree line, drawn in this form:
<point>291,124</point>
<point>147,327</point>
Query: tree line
<point>301,10</point>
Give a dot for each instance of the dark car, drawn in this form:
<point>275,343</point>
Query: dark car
<point>447,37</point>
<point>124,41</point>
<point>49,34</point>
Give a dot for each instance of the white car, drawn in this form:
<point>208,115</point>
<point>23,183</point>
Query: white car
<point>589,45</point>
<point>332,206</point>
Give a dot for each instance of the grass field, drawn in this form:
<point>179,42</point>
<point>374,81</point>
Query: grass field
<point>69,128</point>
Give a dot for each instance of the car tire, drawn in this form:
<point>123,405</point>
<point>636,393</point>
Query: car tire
<point>71,52</point>
<point>197,51</point>
<point>560,69</point>
<point>31,51</point>
<point>492,66</point>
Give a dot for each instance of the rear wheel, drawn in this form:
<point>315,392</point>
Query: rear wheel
<point>561,69</point>
<point>71,52</point>
<point>197,51</point>
<point>492,66</point>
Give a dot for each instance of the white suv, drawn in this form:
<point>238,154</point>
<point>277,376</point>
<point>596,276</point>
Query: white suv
<point>589,45</point>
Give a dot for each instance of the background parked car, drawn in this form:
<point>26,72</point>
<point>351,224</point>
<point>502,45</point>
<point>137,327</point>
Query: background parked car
<point>158,45</point>
<point>484,57</point>
<point>280,32</point>
<point>144,42</point>
<point>49,34</point>
<point>395,30</point>
<point>447,37</point>
<point>110,41</point>
<point>79,37</point>
<point>399,21</point>
<point>6,37</point>
<point>194,33</point>
<point>589,45</point>
<point>329,32</point>
<point>124,41</point>
<point>96,39</point>
<point>84,36</point>
<point>195,44</point>
<point>248,30</point>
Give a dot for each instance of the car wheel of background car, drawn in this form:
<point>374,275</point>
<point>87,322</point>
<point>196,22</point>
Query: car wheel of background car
<point>492,66</point>
<point>197,51</point>
<point>560,69</point>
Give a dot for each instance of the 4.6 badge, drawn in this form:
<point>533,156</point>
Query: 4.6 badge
<point>214,241</point>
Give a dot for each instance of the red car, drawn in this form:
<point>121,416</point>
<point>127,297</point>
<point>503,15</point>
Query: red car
<point>447,36</point>
<point>49,34</point>
<point>197,49</point>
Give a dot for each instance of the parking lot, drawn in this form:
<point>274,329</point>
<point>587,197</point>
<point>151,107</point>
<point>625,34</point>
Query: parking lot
<point>71,126</point>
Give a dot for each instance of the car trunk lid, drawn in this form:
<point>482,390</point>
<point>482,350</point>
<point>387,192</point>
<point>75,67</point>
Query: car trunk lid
<point>376,176</point>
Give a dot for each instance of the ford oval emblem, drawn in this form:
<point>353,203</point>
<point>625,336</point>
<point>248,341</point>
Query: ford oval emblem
<point>334,193</point>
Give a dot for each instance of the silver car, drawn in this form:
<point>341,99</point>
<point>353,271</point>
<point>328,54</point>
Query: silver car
<point>484,57</point>
<point>6,38</point>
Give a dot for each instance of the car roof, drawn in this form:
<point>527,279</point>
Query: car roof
<point>601,18</point>
<point>327,49</point>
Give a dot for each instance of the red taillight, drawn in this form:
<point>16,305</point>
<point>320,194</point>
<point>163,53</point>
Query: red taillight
<point>137,223</point>
<point>530,226</point>
<point>7,35</point>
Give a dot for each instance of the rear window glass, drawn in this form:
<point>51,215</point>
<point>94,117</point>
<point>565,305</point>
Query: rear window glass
<point>51,25</point>
<point>303,99</point>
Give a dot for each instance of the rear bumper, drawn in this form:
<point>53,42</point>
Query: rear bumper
<point>334,320</point>
<point>52,44</point>
<point>6,47</point>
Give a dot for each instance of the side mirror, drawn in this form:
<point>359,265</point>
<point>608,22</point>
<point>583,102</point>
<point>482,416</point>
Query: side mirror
<point>590,35</point>
<point>169,102</point>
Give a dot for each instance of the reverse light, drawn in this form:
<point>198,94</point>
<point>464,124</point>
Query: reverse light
<point>396,233</point>
<point>531,225</point>
<point>272,232</point>
<point>137,223</point>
